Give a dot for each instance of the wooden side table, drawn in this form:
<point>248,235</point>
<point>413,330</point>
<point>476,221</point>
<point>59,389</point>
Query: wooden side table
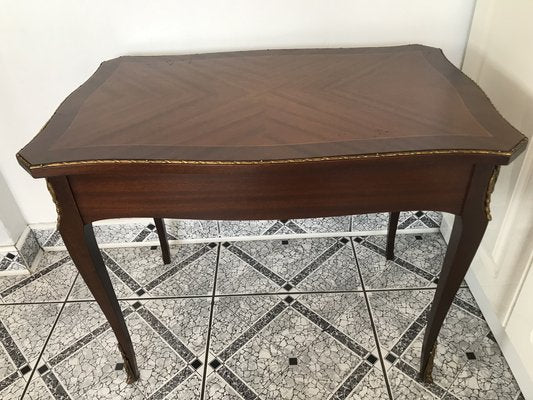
<point>273,135</point>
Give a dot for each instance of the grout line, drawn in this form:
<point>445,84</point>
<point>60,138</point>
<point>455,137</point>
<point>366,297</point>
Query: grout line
<point>196,296</point>
<point>211,312</point>
<point>64,303</point>
<point>213,295</point>
<point>405,289</point>
<point>22,303</point>
<point>289,293</point>
<point>142,298</point>
<point>192,296</point>
<point>374,331</point>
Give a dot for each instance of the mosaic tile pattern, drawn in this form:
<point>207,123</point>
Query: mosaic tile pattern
<point>197,229</point>
<point>407,220</point>
<point>190,229</point>
<point>42,234</point>
<point>19,260</point>
<point>50,281</point>
<point>273,319</point>
<point>12,264</point>
<point>29,249</point>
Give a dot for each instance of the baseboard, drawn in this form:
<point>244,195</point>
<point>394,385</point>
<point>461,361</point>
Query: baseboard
<point>446,226</point>
<point>249,238</point>
<point>509,351</point>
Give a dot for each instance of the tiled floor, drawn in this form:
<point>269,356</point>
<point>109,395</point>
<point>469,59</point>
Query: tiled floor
<point>322,318</point>
<point>193,229</point>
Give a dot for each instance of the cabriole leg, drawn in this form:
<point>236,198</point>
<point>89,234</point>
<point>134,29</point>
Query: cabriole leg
<point>467,232</point>
<point>81,244</point>
<point>391,234</point>
<point>163,241</point>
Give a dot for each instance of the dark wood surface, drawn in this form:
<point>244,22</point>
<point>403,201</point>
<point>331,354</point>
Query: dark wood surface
<point>391,234</point>
<point>163,241</point>
<point>467,232</point>
<point>276,191</point>
<point>81,244</point>
<point>273,135</point>
<point>271,106</point>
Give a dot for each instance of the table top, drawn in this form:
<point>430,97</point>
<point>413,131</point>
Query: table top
<point>273,106</point>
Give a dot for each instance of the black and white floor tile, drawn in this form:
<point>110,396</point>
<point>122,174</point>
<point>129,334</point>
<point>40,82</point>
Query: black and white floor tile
<point>309,318</point>
<point>196,229</point>
<point>11,263</point>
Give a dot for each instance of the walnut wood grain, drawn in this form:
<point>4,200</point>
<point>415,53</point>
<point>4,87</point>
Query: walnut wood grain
<point>276,191</point>
<point>271,106</point>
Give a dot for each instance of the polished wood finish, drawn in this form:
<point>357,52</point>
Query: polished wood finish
<point>273,135</point>
<point>82,247</point>
<point>271,106</point>
<point>467,232</point>
<point>163,241</point>
<point>276,191</point>
<point>391,234</point>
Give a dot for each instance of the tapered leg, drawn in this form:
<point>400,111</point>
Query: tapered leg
<point>81,244</point>
<point>467,232</point>
<point>391,234</point>
<point>162,233</point>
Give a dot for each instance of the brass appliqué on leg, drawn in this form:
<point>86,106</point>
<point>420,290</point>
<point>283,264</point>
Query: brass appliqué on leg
<point>426,376</point>
<point>490,189</point>
<point>54,199</point>
<point>132,375</point>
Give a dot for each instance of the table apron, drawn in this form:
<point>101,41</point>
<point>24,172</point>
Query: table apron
<point>275,192</point>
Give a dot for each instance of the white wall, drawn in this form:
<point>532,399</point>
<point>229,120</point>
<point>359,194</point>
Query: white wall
<point>499,58</point>
<point>50,47</point>
<point>12,222</point>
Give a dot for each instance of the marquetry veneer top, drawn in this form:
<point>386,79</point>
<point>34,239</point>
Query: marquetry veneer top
<point>272,106</point>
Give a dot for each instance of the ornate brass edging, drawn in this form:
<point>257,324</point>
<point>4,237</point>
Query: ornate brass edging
<point>54,199</point>
<point>490,189</point>
<point>257,162</point>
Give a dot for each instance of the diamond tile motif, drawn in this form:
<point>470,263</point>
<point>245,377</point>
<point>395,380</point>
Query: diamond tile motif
<point>487,376</point>
<point>407,220</point>
<point>253,319</point>
<point>50,281</point>
<point>380,273</point>
<point>322,225</point>
<point>370,222</point>
<point>286,260</point>
<point>325,264</point>
<point>191,229</point>
<point>140,271</point>
<point>248,228</point>
<point>167,346</point>
<point>23,332</point>
<point>426,254</point>
<point>290,351</point>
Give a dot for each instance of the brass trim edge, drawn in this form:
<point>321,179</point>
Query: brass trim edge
<point>24,161</point>
<point>281,161</point>
<point>490,189</point>
<point>54,199</point>
<point>256,162</point>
